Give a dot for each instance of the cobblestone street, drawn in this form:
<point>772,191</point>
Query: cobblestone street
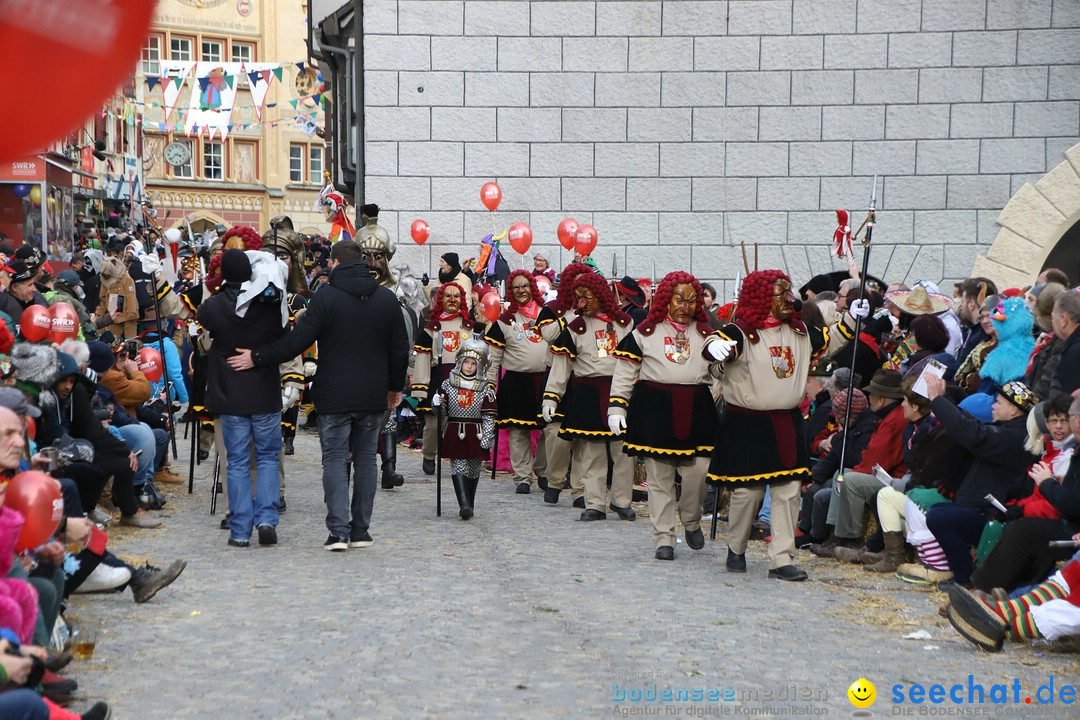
<point>522,612</point>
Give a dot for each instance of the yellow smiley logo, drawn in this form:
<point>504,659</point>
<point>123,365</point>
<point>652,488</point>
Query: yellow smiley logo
<point>862,693</point>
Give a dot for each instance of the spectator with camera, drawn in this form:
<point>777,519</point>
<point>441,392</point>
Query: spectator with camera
<point>247,403</point>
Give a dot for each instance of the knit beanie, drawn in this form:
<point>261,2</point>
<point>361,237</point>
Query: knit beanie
<point>35,365</point>
<point>101,356</point>
<point>235,266</point>
<point>840,403</point>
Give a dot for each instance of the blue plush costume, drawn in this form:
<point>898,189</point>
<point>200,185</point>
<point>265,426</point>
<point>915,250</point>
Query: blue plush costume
<point>1012,321</point>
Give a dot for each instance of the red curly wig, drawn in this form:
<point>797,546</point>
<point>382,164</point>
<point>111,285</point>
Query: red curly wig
<point>602,291</point>
<point>662,297</point>
<point>249,235</point>
<point>437,310</point>
<point>755,299</point>
<point>537,297</point>
<point>565,298</point>
<point>213,273</point>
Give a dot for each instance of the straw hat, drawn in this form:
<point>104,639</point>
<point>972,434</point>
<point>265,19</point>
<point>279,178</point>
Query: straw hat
<point>919,301</point>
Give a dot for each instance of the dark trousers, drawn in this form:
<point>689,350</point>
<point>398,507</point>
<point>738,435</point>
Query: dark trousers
<point>89,481</point>
<point>957,529</point>
<point>1023,555</point>
<point>814,510</point>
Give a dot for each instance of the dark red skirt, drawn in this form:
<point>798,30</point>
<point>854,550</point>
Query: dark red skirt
<point>518,399</point>
<point>756,446</point>
<point>466,448</point>
<point>671,421</point>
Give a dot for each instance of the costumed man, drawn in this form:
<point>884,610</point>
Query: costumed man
<point>585,351</point>
<point>550,323</point>
<point>286,245</point>
<point>519,350</point>
<point>378,250</point>
<point>190,300</point>
<point>468,401</point>
<point>767,352</point>
<point>333,206</point>
<point>664,398</point>
<point>437,347</point>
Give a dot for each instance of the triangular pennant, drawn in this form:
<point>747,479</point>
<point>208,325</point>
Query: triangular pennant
<point>278,73</point>
<point>253,77</point>
<point>151,81</point>
<point>316,98</point>
<point>293,103</point>
<point>204,82</point>
<point>300,67</point>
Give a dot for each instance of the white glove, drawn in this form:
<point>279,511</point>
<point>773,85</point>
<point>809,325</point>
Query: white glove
<point>547,411</point>
<point>289,396</point>
<point>436,400</point>
<point>193,329</point>
<point>721,349</point>
<point>309,368</point>
<point>617,424</point>
<point>860,308</point>
<point>150,264</point>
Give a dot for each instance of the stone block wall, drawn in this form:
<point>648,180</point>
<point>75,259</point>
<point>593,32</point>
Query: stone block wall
<point>680,129</point>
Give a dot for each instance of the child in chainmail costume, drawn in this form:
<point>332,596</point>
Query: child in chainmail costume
<point>468,402</point>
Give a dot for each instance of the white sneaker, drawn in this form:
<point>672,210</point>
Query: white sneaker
<point>105,578</point>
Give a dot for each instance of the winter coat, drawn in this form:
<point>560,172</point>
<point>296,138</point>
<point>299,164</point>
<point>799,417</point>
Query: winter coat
<point>886,447</point>
<point>934,459</point>
<point>1044,362</point>
<point>1067,375</point>
<point>363,343</point>
<point>1001,462</point>
<point>1065,496</point>
<point>14,308</point>
<point>118,285</point>
<point>18,599</point>
<point>173,369</point>
<point>61,293</point>
<point>248,392</point>
<point>857,437</point>
<point>130,392</point>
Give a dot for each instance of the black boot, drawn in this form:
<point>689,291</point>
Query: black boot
<point>390,477</point>
<point>462,493</point>
<point>470,489</point>
<point>287,446</point>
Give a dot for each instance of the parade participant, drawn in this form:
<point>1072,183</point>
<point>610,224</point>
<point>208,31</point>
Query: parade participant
<point>662,398</point>
<point>189,307</point>
<point>437,347</point>
<point>468,399</point>
<point>519,350</point>
<point>585,352</point>
<point>378,250</point>
<point>767,352</point>
<point>450,271</point>
<point>550,323</point>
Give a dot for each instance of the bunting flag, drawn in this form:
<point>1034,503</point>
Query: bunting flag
<point>211,107</point>
<point>173,75</point>
<point>278,73</point>
<point>151,81</point>
<point>259,77</point>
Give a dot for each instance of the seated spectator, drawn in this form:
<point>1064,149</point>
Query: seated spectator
<point>1065,319</point>
<point>1048,347</point>
<point>967,374</point>
<point>851,442</point>
<point>930,338</point>
<point>1051,512</point>
<point>1001,462</point>
<point>21,293</point>
<point>823,415</point>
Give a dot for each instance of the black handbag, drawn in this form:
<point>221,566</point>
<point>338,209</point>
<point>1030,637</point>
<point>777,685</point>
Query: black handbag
<point>150,498</point>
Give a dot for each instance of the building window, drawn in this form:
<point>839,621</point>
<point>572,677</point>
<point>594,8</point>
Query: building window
<point>243,52</point>
<point>212,51</point>
<point>187,170</point>
<point>296,163</point>
<point>213,161</point>
<point>151,55</point>
<point>315,164</point>
<point>180,49</point>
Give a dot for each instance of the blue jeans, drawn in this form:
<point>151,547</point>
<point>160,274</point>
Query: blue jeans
<point>23,704</point>
<point>338,433</point>
<point>765,514</point>
<point>139,436</point>
<point>240,433</point>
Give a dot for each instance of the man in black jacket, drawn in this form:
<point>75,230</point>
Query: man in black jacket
<point>1000,466</point>
<point>363,358</point>
<point>1066,323</point>
<point>248,404</point>
<point>22,292</point>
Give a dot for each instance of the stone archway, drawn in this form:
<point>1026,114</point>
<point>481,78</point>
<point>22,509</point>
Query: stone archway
<point>1032,223</point>
<point>200,221</point>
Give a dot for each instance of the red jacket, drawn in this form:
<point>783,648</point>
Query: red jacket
<point>886,446</point>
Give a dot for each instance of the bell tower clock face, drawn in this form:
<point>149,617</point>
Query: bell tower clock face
<point>177,153</point>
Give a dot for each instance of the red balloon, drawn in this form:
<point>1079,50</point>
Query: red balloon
<point>568,233</point>
<point>491,195</point>
<point>93,45</point>
<point>492,306</point>
<point>65,323</point>
<point>543,283</point>
<point>36,497</point>
<point>520,235</point>
<point>585,237</point>
<point>420,232</point>
<point>36,323</point>
<point>150,364</point>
